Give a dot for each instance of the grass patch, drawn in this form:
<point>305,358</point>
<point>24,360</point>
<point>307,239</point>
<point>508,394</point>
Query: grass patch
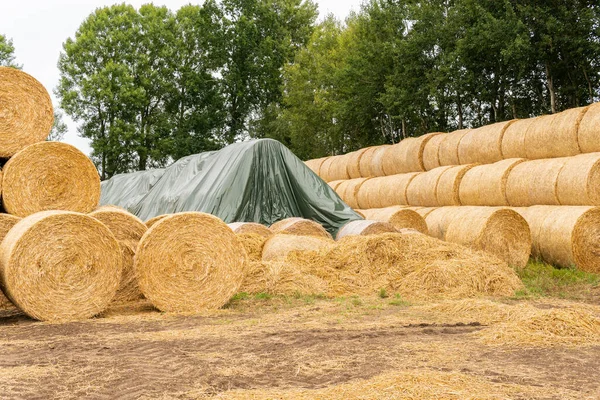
<point>383,293</point>
<point>399,302</point>
<point>544,280</point>
<point>263,296</point>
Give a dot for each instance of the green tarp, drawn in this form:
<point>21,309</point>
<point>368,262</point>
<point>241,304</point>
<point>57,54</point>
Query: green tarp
<point>256,181</point>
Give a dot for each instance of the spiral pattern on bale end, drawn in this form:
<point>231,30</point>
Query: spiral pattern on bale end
<point>300,227</point>
<point>279,245</point>
<point>399,216</point>
<point>26,113</point>
<point>365,228</point>
<point>250,227</point>
<point>60,266</point>
<point>50,176</point>
<point>189,262</point>
<point>128,230</point>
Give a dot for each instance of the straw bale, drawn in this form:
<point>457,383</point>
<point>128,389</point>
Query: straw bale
<point>253,244</point>
<point>7,221</point>
<point>315,165</point>
<point>565,236</point>
<point>354,163</point>
<point>334,184</point>
<point>26,110</point>
<point>154,220</point>
<point>364,228</point>
<point>60,266</point>
<point>513,141</point>
<point>325,167</point>
<point>448,152</point>
<point>534,182</point>
<point>398,216</point>
<point>501,232</point>
<point>406,156</point>
<point>431,158</point>
<point>422,189</point>
<point>588,134</point>
<point>483,145</point>
<point>447,190</point>
<point>485,185</point>
<point>189,262</point>
<point>50,176</point>
<point>250,227</point>
<point>364,165</point>
<point>299,226</point>
<point>384,191</point>
<point>279,246</point>
<point>348,190</point>
<point>281,278</point>
<point>422,211</point>
<point>554,135</point>
<point>376,162</point>
<point>128,230</point>
<point>338,169</point>
<point>579,181</point>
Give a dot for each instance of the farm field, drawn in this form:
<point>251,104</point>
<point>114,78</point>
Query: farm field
<point>264,347</point>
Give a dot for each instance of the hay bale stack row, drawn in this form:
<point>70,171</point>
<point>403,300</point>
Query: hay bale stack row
<point>406,156</point>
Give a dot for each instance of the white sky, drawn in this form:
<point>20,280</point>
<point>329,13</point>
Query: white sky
<point>38,29</point>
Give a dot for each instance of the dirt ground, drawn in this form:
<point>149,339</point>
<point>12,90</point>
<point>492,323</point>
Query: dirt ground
<point>281,348</point>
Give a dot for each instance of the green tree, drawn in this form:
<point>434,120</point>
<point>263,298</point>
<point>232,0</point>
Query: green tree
<point>7,53</point>
<point>59,127</point>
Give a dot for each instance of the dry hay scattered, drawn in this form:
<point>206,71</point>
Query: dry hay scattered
<point>398,216</point>
<point>364,228</point>
<point>579,181</point>
<point>513,141</point>
<point>556,326</point>
<point>384,191</point>
<point>483,145</point>
<point>154,220</point>
<point>315,165</point>
<point>485,185</point>
<point>354,163</point>
<point>250,227</point>
<point>60,266</point>
<point>431,152</point>
<point>281,278</point>
<point>406,156</point>
<point>128,230</point>
<point>422,189</point>
<point>501,232</point>
<point>447,191</point>
<point>26,110</point>
<point>588,134</point>
<point>279,246</point>
<point>348,191</point>
<point>50,176</point>
<point>483,311</point>
<point>300,226</point>
<point>565,236</point>
<point>253,244</point>
<point>554,135</point>
<point>189,262</point>
<point>448,152</point>
<point>534,182</point>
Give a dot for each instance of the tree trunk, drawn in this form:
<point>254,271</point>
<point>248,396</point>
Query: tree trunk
<point>460,115</point>
<point>403,128</point>
<point>590,90</point>
<point>550,84</point>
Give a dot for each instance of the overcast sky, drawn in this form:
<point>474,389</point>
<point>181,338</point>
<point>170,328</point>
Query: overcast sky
<point>38,29</point>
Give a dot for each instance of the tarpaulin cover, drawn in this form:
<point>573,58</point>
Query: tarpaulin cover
<point>256,181</point>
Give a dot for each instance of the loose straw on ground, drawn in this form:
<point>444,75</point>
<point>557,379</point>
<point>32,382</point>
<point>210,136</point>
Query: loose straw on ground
<point>60,266</point>
<point>279,246</point>
<point>189,262</point>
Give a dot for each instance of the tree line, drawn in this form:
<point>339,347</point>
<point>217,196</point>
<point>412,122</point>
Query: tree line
<point>151,85</point>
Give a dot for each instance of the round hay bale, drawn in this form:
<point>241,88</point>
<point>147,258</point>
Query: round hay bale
<point>154,220</point>
<point>299,227</point>
<point>338,169</point>
<point>376,164</point>
<point>50,176</point>
<point>25,109</point>
<point>398,216</point>
<point>60,266</point>
<point>447,191</point>
<point>422,189</point>
<point>431,152</point>
<point>485,185</point>
<point>483,145</point>
<point>554,135</point>
<point>279,246</point>
<point>315,165</point>
<point>189,262</point>
<point>250,227</point>
<point>534,182</point>
<point>325,167</point>
<point>406,156</point>
<point>423,211</point>
<point>364,228</point>
<point>7,221</point>
<point>565,236</point>
<point>349,191</point>
<point>501,232</point>
<point>384,191</point>
<point>354,163</point>
<point>588,133</point>
<point>448,152</point>
<point>334,184</point>
<point>253,243</point>
<point>579,181</point>
<point>128,230</point>
<point>364,165</point>
<point>513,141</point>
